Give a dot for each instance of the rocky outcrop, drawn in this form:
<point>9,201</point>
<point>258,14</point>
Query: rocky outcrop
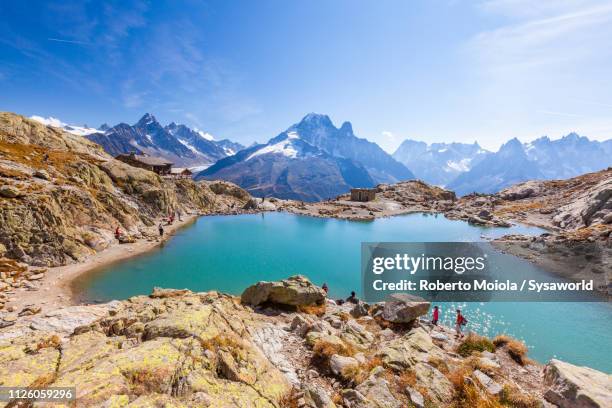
<point>179,348</point>
<point>61,196</point>
<point>404,308</point>
<point>570,386</point>
<point>294,291</point>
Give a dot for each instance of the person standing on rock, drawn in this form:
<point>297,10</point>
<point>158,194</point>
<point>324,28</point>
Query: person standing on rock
<point>435,316</point>
<point>161,230</point>
<point>353,298</point>
<point>461,321</point>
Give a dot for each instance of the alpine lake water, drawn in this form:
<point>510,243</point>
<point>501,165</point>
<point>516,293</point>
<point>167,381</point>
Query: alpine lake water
<point>229,253</point>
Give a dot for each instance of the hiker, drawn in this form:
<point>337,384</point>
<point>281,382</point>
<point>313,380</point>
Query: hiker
<point>435,316</point>
<point>353,298</point>
<point>179,216</point>
<point>161,230</point>
<point>324,287</point>
<point>461,321</point>
<point>117,232</point>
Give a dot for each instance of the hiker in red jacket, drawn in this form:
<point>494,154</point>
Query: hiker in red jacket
<point>435,316</point>
<point>461,321</point>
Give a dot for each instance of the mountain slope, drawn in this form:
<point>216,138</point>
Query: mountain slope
<point>508,166</point>
<point>177,143</point>
<point>319,131</point>
<point>439,163</point>
<point>62,196</point>
<point>289,167</point>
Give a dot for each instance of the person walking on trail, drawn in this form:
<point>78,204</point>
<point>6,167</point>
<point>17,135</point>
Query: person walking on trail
<point>161,230</point>
<point>435,316</point>
<point>459,323</point>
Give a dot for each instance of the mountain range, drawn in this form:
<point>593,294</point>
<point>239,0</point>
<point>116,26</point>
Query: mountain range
<point>314,160</point>
<point>541,159</point>
<point>311,160</point>
<point>439,163</point>
<point>466,168</point>
<point>179,144</point>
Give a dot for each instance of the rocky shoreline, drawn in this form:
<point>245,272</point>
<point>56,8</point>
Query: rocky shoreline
<point>576,213</point>
<point>281,344</point>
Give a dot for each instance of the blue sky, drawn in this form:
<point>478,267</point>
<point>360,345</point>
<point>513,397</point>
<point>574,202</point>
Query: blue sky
<point>246,70</point>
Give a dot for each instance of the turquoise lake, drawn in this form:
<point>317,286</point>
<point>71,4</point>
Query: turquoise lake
<point>229,253</point>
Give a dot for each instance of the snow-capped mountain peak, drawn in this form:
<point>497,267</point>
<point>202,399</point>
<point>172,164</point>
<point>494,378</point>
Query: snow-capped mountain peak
<point>284,145</point>
<point>205,135</point>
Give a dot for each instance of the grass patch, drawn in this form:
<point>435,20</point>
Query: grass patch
<point>439,364</point>
<point>363,370</point>
<point>513,397</point>
<point>516,349</point>
<point>466,394</point>
<point>473,343</point>
<point>53,342</point>
<point>290,399</point>
<point>146,381</point>
<point>316,310</point>
<point>323,350</point>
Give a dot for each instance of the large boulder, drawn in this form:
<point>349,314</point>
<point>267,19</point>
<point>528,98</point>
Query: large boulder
<point>570,386</point>
<point>294,291</point>
<point>404,308</point>
<point>412,348</point>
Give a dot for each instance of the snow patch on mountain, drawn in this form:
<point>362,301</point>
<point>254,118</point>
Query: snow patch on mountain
<point>188,145</point>
<point>205,135</point>
<point>286,147</point>
<point>458,166</point>
<point>55,122</point>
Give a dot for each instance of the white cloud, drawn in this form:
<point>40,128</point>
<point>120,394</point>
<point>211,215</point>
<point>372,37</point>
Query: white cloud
<point>558,37</point>
<point>50,121</point>
<point>388,141</point>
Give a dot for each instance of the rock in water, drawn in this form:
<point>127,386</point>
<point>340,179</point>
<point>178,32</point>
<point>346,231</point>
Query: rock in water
<point>570,386</point>
<point>403,308</point>
<point>294,291</point>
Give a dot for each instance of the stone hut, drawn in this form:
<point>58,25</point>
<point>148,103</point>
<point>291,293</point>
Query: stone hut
<point>154,164</point>
<point>180,172</point>
<point>363,194</point>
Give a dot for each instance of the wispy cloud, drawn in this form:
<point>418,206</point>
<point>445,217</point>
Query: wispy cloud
<point>68,41</point>
<point>552,35</point>
<point>565,114</point>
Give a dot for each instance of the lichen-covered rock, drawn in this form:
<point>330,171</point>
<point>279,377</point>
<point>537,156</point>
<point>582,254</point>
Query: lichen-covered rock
<point>293,291</point>
<point>407,351</point>
<point>343,366</point>
<point>376,390</point>
<point>316,397</point>
<point>193,347</point>
<point>570,386</point>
